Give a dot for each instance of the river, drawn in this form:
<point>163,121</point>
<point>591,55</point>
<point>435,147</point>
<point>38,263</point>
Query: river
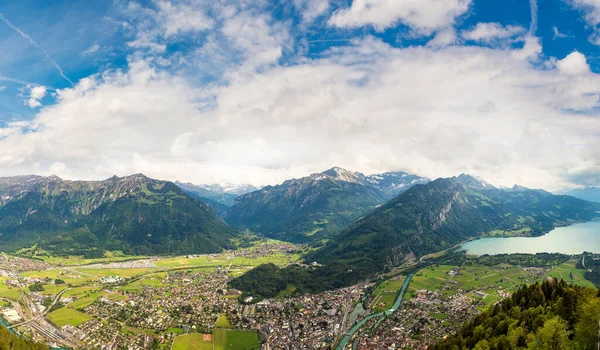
<point>574,239</point>
<point>357,326</point>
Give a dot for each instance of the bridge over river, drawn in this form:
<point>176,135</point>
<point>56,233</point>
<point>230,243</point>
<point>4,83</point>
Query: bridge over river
<point>394,307</point>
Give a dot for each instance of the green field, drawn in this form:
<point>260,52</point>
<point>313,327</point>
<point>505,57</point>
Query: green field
<point>89,299</point>
<point>71,277</point>
<point>235,340</point>
<point>280,259</point>
<point>67,315</point>
<point>191,341</point>
<point>114,272</point>
<point>471,278</point>
<point>223,322</point>
<point>385,294</point>
<point>570,274</point>
<point>223,339</point>
<point>7,292</point>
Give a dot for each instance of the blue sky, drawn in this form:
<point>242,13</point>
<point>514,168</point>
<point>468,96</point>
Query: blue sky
<point>254,91</point>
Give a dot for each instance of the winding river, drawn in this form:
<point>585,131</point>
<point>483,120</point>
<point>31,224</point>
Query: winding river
<point>357,326</point>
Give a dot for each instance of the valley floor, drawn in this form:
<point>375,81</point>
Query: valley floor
<point>184,303</point>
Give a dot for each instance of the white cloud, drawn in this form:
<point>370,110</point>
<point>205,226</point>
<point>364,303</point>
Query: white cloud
<point>574,64</point>
<point>2,88</point>
<point>311,9</point>
<point>259,40</point>
<point>443,38</point>
<point>91,50</point>
<point>434,111</point>
<point>423,16</point>
<point>492,32</point>
<point>36,94</point>
<point>591,9</point>
<point>181,18</point>
<point>152,28</point>
<point>558,34</point>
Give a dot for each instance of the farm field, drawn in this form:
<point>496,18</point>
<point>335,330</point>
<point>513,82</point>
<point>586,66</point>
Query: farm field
<point>7,292</point>
<point>66,315</point>
<point>114,272</point>
<point>280,259</point>
<point>223,322</point>
<point>385,294</point>
<point>489,280</point>
<point>191,341</point>
<point>235,340</point>
<point>89,299</point>
<point>570,274</point>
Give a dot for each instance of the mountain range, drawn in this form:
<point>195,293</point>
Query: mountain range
<point>435,216</point>
<point>591,194</point>
<point>134,214</point>
<point>216,193</point>
<point>426,218</point>
<point>317,206</point>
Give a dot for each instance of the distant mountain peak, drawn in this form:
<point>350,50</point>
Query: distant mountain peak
<point>473,182</point>
<point>344,175</point>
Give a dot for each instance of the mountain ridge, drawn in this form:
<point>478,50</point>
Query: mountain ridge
<point>313,207</point>
<point>82,216</point>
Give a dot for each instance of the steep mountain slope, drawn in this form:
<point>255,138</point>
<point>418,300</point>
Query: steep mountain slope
<point>219,208</point>
<point>135,214</point>
<point>306,209</point>
<point>591,194</point>
<point>435,216</point>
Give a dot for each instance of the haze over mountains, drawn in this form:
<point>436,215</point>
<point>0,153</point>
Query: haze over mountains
<point>591,194</point>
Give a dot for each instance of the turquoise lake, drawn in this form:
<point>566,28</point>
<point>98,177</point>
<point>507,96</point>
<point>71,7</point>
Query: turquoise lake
<point>574,239</point>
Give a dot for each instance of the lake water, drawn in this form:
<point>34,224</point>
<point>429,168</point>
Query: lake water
<point>574,239</point>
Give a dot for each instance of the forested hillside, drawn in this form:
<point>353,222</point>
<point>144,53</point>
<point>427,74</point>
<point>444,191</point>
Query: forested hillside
<point>134,214</point>
<point>548,316</point>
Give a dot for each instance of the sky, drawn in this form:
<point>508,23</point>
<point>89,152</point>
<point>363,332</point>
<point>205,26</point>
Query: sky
<point>239,91</point>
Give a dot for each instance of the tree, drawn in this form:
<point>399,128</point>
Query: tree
<point>586,328</point>
<point>552,336</point>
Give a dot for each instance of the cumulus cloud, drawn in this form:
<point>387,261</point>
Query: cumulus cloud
<point>574,64</point>
<point>435,111</point>
<point>502,112</point>
<point>36,94</point>
<point>424,17</point>
<point>259,40</point>
<point>492,32</point>
<point>153,27</point>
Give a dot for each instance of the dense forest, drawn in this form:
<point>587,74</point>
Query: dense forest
<point>9,341</point>
<point>268,280</point>
<point>459,257</point>
<point>551,315</point>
